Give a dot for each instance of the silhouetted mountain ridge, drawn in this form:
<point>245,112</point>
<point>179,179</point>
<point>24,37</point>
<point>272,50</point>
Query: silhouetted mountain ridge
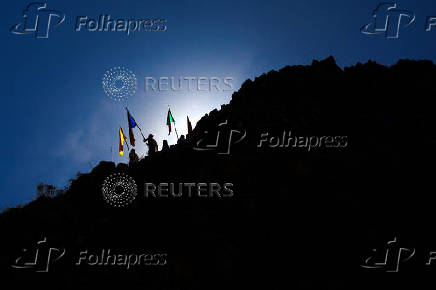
<point>311,215</point>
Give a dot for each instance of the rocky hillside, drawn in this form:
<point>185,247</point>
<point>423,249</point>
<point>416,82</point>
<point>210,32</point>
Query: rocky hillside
<point>323,165</point>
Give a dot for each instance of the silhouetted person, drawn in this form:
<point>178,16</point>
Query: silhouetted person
<point>165,146</point>
<point>152,145</point>
<point>181,140</point>
<point>133,157</point>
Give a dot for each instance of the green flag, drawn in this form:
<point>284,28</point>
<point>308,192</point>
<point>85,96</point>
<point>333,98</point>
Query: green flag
<point>170,120</point>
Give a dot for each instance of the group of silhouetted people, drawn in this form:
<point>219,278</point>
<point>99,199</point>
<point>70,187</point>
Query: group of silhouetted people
<point>153,147</point>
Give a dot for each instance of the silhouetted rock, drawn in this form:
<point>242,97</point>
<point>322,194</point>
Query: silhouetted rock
<point>298,218</point>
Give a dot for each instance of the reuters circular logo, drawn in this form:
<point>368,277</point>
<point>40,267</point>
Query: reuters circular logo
<point>119,83</point>
<point>119,190</point>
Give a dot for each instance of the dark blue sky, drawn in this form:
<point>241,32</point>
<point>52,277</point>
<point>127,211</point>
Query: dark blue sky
<point>58,121</point>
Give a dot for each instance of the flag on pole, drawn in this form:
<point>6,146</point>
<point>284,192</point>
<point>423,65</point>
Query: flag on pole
<point>189,126</point>
<point>122,139</point>
<point>169,120</point>
<point>132,124</point>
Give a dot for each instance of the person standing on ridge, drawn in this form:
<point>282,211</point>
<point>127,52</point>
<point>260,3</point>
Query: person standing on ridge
<point>152,144</point>
<point>165,146</point>
<point>133,157</point>
<point>181,140</point>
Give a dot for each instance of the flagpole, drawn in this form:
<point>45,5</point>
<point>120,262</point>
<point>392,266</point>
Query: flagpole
<point>140,130</point>
<point>175,129</point>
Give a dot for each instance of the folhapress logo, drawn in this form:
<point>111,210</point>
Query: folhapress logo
<point>387,20</point>
<point>39,258</point>
<point>37,20</point>
<point>390,259</point>
<point>221,145</point>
